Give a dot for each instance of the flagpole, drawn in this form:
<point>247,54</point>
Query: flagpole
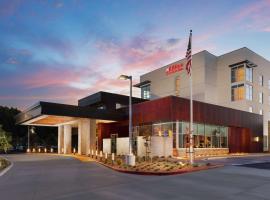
<point>191,149</point>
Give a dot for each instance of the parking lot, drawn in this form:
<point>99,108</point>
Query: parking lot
<point>40,176</point>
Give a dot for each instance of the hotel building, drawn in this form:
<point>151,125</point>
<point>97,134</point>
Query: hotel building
<point>239,79</point>
<point>231,110</point>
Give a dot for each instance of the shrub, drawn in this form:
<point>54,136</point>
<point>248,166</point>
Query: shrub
<point>195,165</point>
<point>119,161</point>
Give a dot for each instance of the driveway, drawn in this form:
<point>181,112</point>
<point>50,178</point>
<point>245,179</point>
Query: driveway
<point>56,177</point>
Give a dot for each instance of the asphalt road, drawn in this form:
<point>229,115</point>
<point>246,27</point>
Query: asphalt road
<point>54,177</point>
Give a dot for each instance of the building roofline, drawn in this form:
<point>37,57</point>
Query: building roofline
<point>246,49</point>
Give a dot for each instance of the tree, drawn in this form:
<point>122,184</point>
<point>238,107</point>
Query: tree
<point>5,140</point>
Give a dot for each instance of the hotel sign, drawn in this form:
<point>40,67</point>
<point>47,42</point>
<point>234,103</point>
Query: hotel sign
<point>174,68</point>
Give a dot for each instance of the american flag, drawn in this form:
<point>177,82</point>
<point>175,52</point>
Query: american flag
<point>188,55</point>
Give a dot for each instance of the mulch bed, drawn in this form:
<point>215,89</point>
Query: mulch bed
<point>161,173</point>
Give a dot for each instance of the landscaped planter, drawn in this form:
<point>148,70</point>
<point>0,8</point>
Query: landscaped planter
<point>157,167</point>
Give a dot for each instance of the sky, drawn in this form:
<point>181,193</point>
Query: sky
<point>63,50</point>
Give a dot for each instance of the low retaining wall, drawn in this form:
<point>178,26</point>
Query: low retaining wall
<point>202,152</point>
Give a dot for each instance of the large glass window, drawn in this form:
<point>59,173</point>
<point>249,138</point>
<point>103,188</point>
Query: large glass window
<point>215,137</point>
<point>163,129</point>
<point>145,91</point>
<point>238,74</point>
<point>208,136</point>
<point>237,92</point>
<point>201,136</point>
<point>223,137</point>
<point>249,74</point>
<point>249,92</point>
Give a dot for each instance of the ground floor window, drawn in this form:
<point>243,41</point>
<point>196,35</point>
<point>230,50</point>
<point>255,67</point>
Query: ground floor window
<point>204,135</point>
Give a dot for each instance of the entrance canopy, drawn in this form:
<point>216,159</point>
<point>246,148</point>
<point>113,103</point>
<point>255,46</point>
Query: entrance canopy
<point>54,114</point>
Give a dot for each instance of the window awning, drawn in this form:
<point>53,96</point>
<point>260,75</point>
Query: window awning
<point>141,84</point>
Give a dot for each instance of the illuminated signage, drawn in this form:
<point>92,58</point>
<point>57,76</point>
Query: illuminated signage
<point>174,68</point>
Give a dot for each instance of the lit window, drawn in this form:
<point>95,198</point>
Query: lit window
<point>177,86</point>
<point>250,109</point>
<point>261,112</point>
<point>237,92</point>
<point>261,80</point>
<point>249,91</point>
<point>145,92</point>
<point>260,97</point>
<point>249,74</point>
<point>238,74</point>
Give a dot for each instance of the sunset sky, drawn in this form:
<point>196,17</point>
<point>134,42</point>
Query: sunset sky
<point>61,51</point>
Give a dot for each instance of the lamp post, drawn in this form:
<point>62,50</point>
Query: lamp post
<point>130,159</point>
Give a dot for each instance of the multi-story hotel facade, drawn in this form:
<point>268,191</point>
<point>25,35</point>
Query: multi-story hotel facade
<point>231,107</point>
<point>239,79</point>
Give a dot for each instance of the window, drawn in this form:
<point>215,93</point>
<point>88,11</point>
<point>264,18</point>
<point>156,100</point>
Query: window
<point>261,80</point>
<point>238,74</point>
<point>177,86</point>
<point>145,92</point>
<point>201,137</point>
<point>237,92</point>
<point>261,97</point>
<point>265,142</point>
<point>223,137</point>
<point>250,109</point>
<point>249,91</point>
<point>249,74</point>
<point>261,112</point>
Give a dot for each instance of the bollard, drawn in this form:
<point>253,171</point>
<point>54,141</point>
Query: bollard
<point>112,158</point>
<point>92,153</point>
<point>96,154</point>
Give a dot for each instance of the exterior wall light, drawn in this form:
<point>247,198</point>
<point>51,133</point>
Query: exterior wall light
<point>256,139</point>
<point>39,150</point>
<point>45,150</point>
<point>51,150</point>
